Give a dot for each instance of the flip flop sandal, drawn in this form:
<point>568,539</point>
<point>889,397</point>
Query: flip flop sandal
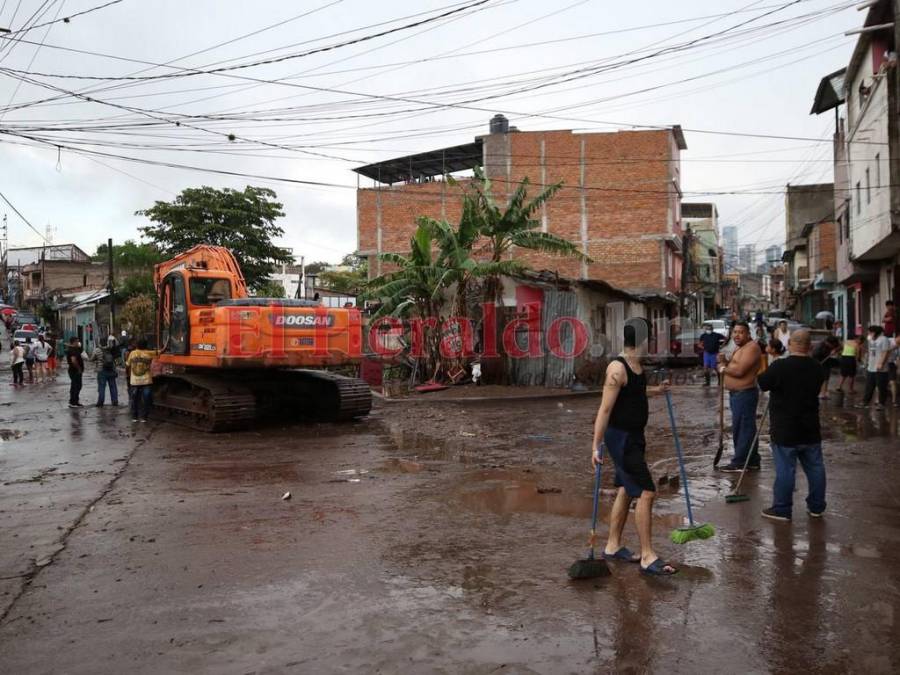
<point>622,554</point>
<point>658,569</point>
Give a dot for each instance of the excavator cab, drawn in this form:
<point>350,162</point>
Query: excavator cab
<point>174,325</point>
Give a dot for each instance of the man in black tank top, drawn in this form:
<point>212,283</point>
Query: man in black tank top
<point>620,425</point>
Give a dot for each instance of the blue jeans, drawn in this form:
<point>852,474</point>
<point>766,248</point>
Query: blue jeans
<point>743,425</point>
<point>810,457</point>
<point>140,398</point>
<point>104,378</point>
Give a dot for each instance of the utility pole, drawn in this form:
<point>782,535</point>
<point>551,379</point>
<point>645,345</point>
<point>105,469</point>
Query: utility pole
<point>685,266</point>
<point>4,253</point>
<point>301,293</point>
<point>112,288</point>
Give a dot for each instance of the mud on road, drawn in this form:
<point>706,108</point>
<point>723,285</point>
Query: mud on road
<point>432,537</point>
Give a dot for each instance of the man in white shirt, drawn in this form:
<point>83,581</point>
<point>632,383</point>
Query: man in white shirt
<point>878,349</point>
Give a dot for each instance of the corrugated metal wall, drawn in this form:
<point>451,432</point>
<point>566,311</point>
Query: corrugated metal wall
<point>547,369</point>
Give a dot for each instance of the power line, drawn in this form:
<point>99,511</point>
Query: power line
<point>24,219</point>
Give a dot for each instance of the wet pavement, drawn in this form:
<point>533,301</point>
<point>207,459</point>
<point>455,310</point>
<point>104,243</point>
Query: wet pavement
<point>428,538</point>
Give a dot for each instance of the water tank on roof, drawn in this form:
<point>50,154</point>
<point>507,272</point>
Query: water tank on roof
<point>499,124</point>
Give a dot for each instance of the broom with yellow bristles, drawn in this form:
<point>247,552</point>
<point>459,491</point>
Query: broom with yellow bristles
<point>683,535</point>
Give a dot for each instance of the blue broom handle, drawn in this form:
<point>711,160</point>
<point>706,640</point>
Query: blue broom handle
<point>596,492</point>
<point>684,479</point>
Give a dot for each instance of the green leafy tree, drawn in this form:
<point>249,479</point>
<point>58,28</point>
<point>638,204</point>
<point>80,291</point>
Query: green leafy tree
<point>514,225</point>
<point>415,288</point>
<point>240,220</point>
<point>506,227</point>
<point>270,289</point>
<point>131,255</point>
<point>139,315</point>
<point>133,264</point>
<point>348,281</point>
<point>316,267</point>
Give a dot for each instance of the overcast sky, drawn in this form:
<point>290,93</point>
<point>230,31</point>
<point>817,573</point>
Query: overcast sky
<point>752,67</point>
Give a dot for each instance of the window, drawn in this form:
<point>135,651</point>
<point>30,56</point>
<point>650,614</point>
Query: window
<point>868,188</point>
<point>858,198</point>
<point>847,226</point>
<point>173,316</point>
<point>206,291</point>
<point>878,170</point>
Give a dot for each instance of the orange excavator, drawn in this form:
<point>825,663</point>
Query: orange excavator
<point>227,359</point>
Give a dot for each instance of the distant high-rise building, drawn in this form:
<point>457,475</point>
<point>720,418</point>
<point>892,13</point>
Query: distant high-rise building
<point>773,254</point>
<point>747,258</point>
<point>730,246</point>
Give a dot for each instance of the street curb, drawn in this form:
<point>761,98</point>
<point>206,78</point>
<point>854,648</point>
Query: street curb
<point>488,399</point>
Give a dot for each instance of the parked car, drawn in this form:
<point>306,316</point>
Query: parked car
<point>23,335</point>
<point>26,319</point>
<point>720,326</point>
<point>684,348</point>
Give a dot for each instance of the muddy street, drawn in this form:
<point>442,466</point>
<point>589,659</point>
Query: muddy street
<point>432,537</point>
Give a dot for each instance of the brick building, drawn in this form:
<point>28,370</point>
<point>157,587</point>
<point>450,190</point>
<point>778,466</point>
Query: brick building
<point>620,201</point>
<point>703,274</point>
<point>811,251</point>
<point>35,275</point>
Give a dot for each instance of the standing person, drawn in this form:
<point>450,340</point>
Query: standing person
<point>129,347</point>
<point>51,355</point>
<point>838,330</point>
<point>41,351</point>
<point>17,361</point>
<point>824,353</point>
<point>743,396</point>
<point>889,319</point>
<point>782,333</point>
<point>29,359</point>
<point>140,379</point>
<point>104,358</point>
<point>849,358</point>
<point>75,361</point>
<point>620,426</point>
<point>878,348</point>
<point>711,342</point>
<point>60,349</point>
<point>794,383</point>
<point>774,350</point>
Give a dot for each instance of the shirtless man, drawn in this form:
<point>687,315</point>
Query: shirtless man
<point>740,380</point>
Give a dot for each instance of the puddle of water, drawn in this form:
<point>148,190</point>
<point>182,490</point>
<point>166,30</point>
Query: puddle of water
<point>400,465</point>
<point>507,492</point>
<point>10,434</point>
<point>857,550</point>
<point>351,472</point>
<point>452,449</point>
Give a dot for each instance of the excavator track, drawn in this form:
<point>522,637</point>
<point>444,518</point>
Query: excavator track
<point>204,402</point>
<point>238,399</point>
<point>338,397</point>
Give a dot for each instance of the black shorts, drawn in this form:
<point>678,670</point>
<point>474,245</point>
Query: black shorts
<point>627,451</point>
<point>848,366</point>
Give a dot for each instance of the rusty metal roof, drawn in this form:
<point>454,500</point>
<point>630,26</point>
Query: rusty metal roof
<point>425,164</point>
<point>830,93</point>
